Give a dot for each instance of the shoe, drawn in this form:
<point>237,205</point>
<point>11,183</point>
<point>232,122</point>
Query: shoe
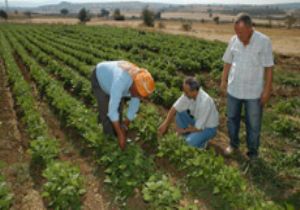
<point>229,150</point>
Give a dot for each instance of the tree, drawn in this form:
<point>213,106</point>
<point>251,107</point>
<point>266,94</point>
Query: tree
<point>290,21</point>
<point>148,17</point>
<point>187,26</point>
<point>84,16</point>
<point>210,12</point>
<point>269,18</point>
<point>3,14</point>
<point>118,15</point>
<point>217,19</point>
<point>64,12</point>
<point>104,13</point>
<point>28,14</point>
<point>157,15</point>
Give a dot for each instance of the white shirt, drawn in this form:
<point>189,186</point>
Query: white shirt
<point>203,109</point>
<point>246,76</point>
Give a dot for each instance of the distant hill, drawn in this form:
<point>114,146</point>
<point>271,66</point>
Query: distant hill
<point>96,7</point>
<point>136,6</point>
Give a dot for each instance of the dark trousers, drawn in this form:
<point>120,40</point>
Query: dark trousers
<point>103,101</point>
<point>253,117</point>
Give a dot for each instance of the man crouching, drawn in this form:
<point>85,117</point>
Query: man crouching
<point>197,118</point>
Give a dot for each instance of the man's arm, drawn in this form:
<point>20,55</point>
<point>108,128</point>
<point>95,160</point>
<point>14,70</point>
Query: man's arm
<point>268,86</point>
<point>164,126</point>
<point>225,74</point>
<point>121,134</point>
<point>190,129</point>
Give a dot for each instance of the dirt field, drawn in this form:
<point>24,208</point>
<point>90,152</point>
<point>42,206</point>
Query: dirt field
<point>284,41</point>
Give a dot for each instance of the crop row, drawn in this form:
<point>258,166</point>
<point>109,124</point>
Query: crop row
<point>58,189</point>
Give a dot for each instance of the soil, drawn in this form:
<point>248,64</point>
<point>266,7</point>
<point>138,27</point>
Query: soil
<point>94,197</point>
<point>13,146</point>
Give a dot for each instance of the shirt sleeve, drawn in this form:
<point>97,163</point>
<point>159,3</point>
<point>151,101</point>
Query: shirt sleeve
<point>133,107</point>
<point>182,103</point>
<point>204,113</point>
<point>267,55</point>
<point>228,56</point>
<point>118,87</point>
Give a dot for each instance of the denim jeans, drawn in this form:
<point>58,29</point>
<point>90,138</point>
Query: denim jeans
<point>195,139</point>
<point>253,117</point>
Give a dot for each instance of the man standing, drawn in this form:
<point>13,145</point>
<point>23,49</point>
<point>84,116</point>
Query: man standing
<point>196,115</point>
<point>111,82</point>
<point>247,79</point>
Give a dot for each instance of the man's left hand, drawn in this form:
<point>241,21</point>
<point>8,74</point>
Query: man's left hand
<point>265,98</point>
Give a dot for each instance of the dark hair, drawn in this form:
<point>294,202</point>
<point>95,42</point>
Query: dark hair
<point>245,18</point>
<point>192,83</point>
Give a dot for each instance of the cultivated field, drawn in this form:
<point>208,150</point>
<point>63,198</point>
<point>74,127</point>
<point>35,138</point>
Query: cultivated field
<point>55,156</point>
<point>285,41</point>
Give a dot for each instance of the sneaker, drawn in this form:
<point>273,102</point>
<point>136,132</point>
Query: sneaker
<point>229,150</point>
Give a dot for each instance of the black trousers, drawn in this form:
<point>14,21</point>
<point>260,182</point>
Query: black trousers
<point>103,101</point>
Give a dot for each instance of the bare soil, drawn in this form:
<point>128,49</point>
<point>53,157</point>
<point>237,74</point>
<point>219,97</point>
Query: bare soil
<point>13,146</point>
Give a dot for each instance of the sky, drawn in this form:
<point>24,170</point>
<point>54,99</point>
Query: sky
<point>29,3</point>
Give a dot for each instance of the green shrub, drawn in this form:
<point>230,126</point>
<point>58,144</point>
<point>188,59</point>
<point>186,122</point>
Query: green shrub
<point>43,151</point>
<point>5,195</point>
<point>64,186</point>
<point>160,193</point>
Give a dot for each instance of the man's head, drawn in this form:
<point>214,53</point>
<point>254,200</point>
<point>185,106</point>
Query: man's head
<point>143,84</point>
<point>243,27</point>
<point>191,87</point>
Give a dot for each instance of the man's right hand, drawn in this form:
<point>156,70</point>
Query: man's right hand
<point>162,129</point>
<point>121,134</point>
<point>122,139</point>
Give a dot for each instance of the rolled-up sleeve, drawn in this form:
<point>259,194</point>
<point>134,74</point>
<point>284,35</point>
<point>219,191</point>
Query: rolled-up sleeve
<point>182,103</point>
<point>228,57</point>
<point>267,54</point>
<point>133,107</point>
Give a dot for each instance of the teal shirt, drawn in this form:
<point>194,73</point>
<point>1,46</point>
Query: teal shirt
<point>116,83</point>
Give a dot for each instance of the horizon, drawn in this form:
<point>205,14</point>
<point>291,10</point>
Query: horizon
<point>37,3</point>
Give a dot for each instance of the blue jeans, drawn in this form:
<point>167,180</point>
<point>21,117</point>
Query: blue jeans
<point>253,117</point>
<point>195,139</point>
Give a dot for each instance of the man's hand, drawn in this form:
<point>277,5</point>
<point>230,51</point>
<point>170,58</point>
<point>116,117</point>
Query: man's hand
<point>162,129</point>
<point>181,130</point>
<point>265,96</point>
<point>122,139</point>
<point>121,134</point>
<point>127,122</point>
<point>223,88</point>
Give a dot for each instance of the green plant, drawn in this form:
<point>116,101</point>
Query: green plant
<point>160,193</point>
<point>43,151</point>
<point>287,106</point>
<point>64,186</point>
<point>284,127</point>
<point>125,170</point>
<point>5,195</point>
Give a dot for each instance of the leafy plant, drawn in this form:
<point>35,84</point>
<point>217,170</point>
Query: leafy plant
<point>125,170</point>
<point>64,186</point>
<point>160,192</point>
<point>284,127</point>
<point>5,195</point>
<point>43,151</point>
